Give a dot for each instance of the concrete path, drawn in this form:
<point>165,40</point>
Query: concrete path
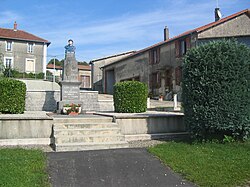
<point>110,168</point>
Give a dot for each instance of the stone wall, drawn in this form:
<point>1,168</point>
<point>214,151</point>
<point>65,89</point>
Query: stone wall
<point>47,100</point>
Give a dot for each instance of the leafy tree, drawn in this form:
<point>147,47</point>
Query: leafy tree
<point>57,62</point>
<point>83,63</point>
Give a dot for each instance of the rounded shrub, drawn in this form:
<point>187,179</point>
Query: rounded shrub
<point>130,97</point>
<point>216,90</point>
<point>12,96</point>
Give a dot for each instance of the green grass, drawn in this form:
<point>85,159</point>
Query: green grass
<point>23,168</point>
<point>208,164</point>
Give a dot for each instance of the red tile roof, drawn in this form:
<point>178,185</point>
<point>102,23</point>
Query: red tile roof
<point>20,35</point>
<point>80,67</point>
<point>199,29</point>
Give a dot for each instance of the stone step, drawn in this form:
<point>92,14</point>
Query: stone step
<point>58,126</point>
<point>94,119</point>
<point>89,138</point>
<point>90,146</point>
<point>85,131</point>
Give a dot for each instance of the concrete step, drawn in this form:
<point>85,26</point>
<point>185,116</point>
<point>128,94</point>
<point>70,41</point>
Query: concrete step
<point>89,138</point>
<point>90,146</point>
<point>58,126</point>
<point>86,131</point>
<point>91,119</point>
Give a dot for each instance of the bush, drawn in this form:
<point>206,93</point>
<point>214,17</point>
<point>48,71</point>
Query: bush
<point>16,74</point>
<point>12,96</point>
<point>216,90</point>
<point>130,97</point>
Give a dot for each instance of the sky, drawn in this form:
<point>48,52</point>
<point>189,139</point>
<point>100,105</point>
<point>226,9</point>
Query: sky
<point>101,28</point>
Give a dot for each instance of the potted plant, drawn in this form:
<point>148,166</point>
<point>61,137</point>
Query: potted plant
<point>72,109</point>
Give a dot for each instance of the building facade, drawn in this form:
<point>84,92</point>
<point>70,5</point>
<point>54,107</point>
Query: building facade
<point>96,64</point>
<point>160,65</point>
<point>23,51</point>
<point>84,75</point>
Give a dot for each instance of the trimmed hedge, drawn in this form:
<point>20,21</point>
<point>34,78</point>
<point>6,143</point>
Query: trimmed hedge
<point>12,96</point>
<point>216,90</point>
<point>130,97</point>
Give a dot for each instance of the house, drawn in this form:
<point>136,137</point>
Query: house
<point>160,65</point>
<point>84,74</point>
<point>23,51</point>
<point>96,64</point>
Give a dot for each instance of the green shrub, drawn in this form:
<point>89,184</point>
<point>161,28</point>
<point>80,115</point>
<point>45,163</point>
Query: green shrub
<point>130,97</point>
<point>16,74</point>
<point>216,90</point>
<point>12,96</point>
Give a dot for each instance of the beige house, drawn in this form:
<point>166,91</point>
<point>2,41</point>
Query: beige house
<point>96,64</point>
<point>23,51</point>
<point>84,74</point>
<point>160,65</point>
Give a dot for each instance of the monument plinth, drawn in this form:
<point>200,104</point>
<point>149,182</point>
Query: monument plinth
<point>70,85</point>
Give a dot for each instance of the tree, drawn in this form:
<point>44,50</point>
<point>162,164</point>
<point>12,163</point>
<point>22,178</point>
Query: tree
<point>83,63</point>
<point>57,62</point>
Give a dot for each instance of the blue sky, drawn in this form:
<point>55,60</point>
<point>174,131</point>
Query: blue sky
<point>104,27</point>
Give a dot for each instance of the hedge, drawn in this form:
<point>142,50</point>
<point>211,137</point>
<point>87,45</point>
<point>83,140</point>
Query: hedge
<point>216,90</point>
<point>130,97</point>
<point>12,96</point>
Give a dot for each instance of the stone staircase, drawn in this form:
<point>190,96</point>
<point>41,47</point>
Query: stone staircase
<point>86,133</point>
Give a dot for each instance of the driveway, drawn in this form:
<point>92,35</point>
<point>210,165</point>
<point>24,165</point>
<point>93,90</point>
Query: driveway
<point>110,168</point>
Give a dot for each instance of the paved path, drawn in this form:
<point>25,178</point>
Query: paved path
<point>110,168</point>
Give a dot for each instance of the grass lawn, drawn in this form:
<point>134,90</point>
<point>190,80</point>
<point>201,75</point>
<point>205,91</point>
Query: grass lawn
<point>23,168</point>
<point>208,164</point>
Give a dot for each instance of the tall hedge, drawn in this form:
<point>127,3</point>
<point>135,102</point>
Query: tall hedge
<point>216,90</point>
<point>130,97</point>
<point>12,96</point>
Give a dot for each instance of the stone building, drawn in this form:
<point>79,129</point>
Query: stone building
<point>84,74</point>
<point>96,64</point>
<point>23,51</point>
<point>160,65</point>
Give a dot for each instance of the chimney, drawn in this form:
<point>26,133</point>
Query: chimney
<point>166,33</point>
<point>217,14</point>
<point>15,26</point>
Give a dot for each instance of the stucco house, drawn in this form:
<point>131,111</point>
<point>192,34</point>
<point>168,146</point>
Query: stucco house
<point>84,74</point>
<point>23,51</point>
<point>160,65</point>
<point>96,64</point>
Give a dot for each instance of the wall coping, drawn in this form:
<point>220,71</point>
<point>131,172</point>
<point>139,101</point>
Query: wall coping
<point>28,115</point>
<point>148,114</point>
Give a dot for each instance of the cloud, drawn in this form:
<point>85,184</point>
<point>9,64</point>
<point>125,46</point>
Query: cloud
<point>7,17</point>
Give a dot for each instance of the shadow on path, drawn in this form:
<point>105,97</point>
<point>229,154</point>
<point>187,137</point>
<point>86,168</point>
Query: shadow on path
<point>110,168</point>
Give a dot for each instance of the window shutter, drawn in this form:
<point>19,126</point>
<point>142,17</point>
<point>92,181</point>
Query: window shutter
<point>150,57</point>
<point>158,54</point>
<point>188,43</point>
<point>178,75</point>
<point>177,48</point>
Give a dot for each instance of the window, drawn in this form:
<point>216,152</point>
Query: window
<point>30,48</point>
<point>30,65</point>
<point>8,46</point>
<point>8,62</point>
<point>154,56</point>
<point>181,46</point>
<point>85,81</point>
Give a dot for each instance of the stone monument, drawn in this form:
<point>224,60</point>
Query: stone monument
<point>70,85</point>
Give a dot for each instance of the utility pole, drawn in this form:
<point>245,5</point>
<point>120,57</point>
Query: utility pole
<point>54,69</point>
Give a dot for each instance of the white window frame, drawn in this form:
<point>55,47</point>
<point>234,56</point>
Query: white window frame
<point>27,59</point>
<point>12,62</point>
<point>183,47</point>
<point>30,49</point>
<point>11,46</point>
